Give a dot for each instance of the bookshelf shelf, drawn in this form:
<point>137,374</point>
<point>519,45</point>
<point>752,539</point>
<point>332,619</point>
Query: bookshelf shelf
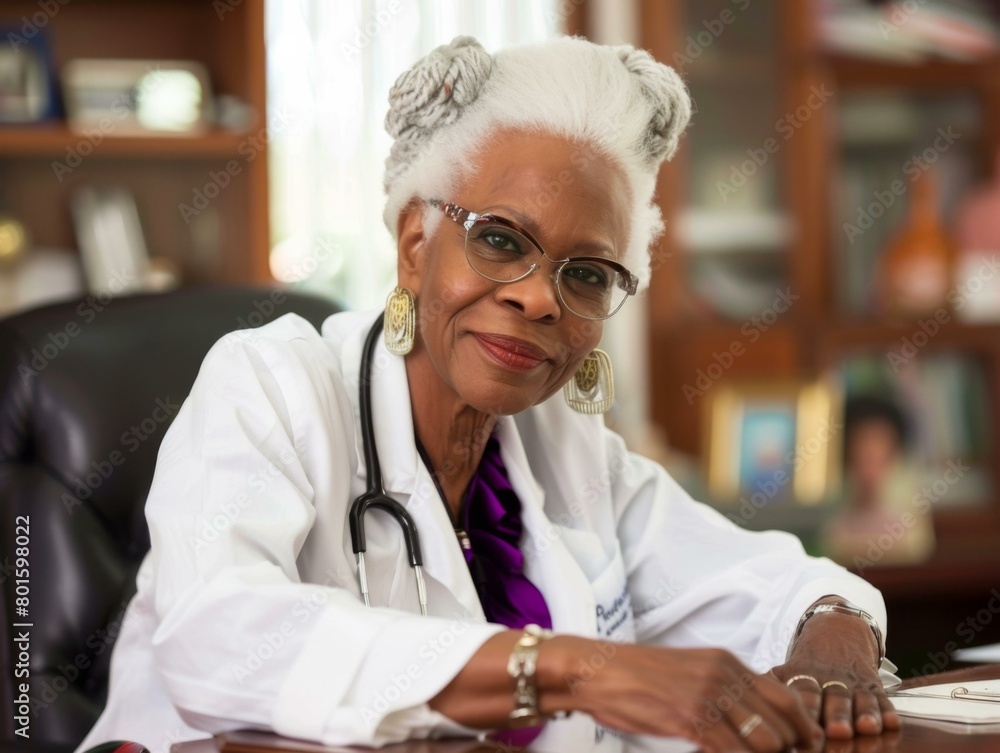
<point>940,576</point>
<point>230,241</point>
<point>852,73</point>
<point>54,141</point>
<point>953,334</point>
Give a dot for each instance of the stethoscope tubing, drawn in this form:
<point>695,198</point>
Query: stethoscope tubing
<point>375,496</point>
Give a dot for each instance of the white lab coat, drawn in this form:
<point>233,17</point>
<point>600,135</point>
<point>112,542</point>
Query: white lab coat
<point>248,611</point>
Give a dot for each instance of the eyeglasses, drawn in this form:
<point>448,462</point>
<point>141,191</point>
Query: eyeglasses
<point>592,287</point>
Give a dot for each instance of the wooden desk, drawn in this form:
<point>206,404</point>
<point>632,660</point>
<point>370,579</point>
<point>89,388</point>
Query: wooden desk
<point>915,737</point>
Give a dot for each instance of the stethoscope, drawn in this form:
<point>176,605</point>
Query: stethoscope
<point>375,496</point>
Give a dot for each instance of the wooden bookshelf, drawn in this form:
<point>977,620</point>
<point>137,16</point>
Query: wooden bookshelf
<point>53,141</point>
<point>934,74</point>
<point>229,241</point>
<point>817,335</point>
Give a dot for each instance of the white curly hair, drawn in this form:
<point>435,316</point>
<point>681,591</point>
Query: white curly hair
<point>617,100</point>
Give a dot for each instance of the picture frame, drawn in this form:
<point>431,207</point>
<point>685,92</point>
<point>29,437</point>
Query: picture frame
<point>27,79</point>
<point>779,442</point>
<point>112,245</point>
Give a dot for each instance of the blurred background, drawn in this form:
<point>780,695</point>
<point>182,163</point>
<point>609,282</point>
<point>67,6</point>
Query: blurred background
<point>819,349</point>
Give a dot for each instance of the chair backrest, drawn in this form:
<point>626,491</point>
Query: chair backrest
<point>87,390</point>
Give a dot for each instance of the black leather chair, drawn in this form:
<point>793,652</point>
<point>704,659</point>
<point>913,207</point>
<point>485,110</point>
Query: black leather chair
<point>87,390</point>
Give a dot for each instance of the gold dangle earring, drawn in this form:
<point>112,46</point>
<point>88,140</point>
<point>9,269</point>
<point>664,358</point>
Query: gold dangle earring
<point>400,323</point>
<point>592,388</point>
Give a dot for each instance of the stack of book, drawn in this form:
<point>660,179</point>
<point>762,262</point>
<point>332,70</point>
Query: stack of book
<point>909,32</point>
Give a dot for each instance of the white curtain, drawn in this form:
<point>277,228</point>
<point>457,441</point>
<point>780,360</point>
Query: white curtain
<point>330,65</point>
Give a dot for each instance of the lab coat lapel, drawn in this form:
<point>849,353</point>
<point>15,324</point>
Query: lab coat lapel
<point>406,478</point>
<point>547,562</point>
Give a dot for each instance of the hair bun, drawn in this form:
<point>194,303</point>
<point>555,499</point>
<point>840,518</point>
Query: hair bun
<point>664,88</point>
<point>433,92</point>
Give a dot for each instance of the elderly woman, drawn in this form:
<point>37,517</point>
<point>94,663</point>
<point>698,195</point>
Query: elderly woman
<point>573,592</point>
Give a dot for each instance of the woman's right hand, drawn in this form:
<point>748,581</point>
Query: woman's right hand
<point>703,695</point>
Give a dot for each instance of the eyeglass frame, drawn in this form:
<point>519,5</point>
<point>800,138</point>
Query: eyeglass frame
<point>468,219</point>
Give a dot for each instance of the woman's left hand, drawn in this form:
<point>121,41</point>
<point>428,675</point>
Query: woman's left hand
<point>847,698</point>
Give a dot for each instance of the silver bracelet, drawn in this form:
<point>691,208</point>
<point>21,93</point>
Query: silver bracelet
<point>521,666</point>
<point>843,609</point>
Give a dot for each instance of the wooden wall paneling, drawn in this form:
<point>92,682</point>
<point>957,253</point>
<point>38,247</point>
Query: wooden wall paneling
<point>808,165</point>
<point>661,27</point>
<point>260,229</point>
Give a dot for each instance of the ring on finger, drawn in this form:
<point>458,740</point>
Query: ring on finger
<point>837,683</point>
<point>804,677</point>
<point>751,723</point>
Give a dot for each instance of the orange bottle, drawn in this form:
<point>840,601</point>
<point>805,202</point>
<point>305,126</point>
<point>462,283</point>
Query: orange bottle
<point>916,268</point>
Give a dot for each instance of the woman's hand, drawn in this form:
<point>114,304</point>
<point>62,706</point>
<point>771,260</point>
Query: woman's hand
<point>839,651</point>
<point>704,695</point>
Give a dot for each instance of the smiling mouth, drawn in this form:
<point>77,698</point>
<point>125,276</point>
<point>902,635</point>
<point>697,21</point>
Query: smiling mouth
<point>510,353</point>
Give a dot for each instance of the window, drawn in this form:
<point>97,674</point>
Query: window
<point>330,67</point>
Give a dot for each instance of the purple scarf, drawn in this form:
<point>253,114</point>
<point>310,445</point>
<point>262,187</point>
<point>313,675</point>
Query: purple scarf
<point>493,521</point>
<point>491,515</point>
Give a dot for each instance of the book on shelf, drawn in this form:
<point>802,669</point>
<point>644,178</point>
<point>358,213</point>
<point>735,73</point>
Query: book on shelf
<point>909,32</point>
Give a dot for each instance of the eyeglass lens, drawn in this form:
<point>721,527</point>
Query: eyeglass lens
<point>591,289</point>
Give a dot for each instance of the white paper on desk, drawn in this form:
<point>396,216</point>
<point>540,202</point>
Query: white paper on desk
<point>979,654</point>
<point>935,702</point>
